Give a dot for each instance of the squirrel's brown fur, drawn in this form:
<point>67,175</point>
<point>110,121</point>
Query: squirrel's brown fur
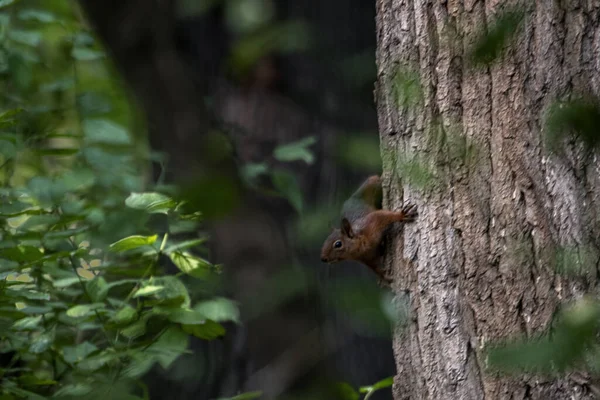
<point>362,227</point>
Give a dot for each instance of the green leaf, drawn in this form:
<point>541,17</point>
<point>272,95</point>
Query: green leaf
<point>286,183</point>
<point>148,290</point>
<point>32,380</point>
<point>61,84</point>
<point>97,361</point>
<point>93,104</point>
<point>140,364</point>
<point>174,292</point>
<point>97,288</point>
<point>83,38</point>
<point>150,202</point>
<point>219,309</point>
<point>122,282</point>
<point>297,151</point>
<point>125,315</point>
<point>74,390</point>
<point>83,310</point>
<point>382,384</point>
<point>209,330</point>
<point>6,3</point>
<point>572,338</point>
<point>41,343</point>
<point>105,131</point>
<point>55,240</point>
<point>169,346</point>
<point>20,70</point>
<point>346,392</point>
<point>57,152</point>
<point>27,294</point>
<point>23,394</point>
<point>85,54</point>
<point>186,316</point>
<point>39,222</point>
<point>79,179</point>
<point>74,354</point>
<point>7,149</point>
<point>31,310</point>
<point>184,245</point>
<point>135,330</point>
<point>578,117</point>
<point>111,169</point>
<point>15,208</point>
<point>190,264</point>
<point>27,323</point>
<point>29,38</point>
<point>46,190</point>
<point>7,265</point>
<point>252,171</point>
<point>11,312</point>
<point>37,15</point>
<point>9,115</point>
<point>65,282</point>
<point>132,242</point>
<point>21,254</point>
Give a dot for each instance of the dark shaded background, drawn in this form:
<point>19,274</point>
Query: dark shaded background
<point>173,64</point>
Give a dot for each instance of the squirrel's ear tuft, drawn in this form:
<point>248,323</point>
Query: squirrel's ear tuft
<point>347,228</point>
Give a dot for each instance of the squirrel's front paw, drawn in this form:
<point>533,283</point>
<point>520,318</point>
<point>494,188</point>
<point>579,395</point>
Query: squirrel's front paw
<point>410,212</point>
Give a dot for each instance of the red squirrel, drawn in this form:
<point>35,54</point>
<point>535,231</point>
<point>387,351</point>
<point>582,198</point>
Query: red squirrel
<point>363,226</point>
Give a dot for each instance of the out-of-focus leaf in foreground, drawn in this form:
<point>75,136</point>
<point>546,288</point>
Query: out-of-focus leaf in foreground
<point>578,118</point>
<point>557,351</point>
<point>492,42</point>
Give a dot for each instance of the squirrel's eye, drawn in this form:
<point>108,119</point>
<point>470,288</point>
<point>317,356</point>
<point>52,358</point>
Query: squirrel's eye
<point>337,244</point>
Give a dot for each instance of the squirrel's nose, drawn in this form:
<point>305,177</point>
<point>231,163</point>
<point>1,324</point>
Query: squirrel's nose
<point>324,259</point>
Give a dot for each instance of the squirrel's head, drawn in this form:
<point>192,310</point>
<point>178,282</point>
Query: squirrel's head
<point>338,245</point>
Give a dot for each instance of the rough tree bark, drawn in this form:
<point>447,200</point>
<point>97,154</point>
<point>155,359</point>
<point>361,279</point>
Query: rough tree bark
<point>478,263</point>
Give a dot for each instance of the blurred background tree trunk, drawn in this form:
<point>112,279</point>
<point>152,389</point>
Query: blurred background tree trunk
<point>495,207</point>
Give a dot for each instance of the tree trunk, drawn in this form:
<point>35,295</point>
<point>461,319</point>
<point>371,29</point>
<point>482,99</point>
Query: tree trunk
<point>479,263</point>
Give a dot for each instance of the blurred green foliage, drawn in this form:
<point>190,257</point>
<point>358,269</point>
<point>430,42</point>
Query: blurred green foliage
<point>576,261</point>
<point>86,308</point>
<point>500,33</point>
<point>277,37</point>
<point>256,31</point>
<point>281,182</point>
<point>563,348</point>
<point>406,87</point>
<point>347,392</point>
<point>359,151</point>
<point>416,171</point>
<point>578,118</point>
